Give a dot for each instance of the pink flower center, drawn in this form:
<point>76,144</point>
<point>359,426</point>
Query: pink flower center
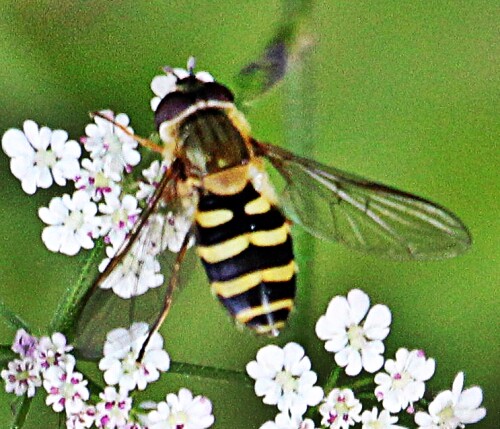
<point>104,421</point>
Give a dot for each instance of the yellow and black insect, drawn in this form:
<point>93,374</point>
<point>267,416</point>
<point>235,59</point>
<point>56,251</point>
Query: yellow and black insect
<point>217,183</point>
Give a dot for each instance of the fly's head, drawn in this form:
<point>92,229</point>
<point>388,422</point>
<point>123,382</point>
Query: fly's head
<point>185,93</point>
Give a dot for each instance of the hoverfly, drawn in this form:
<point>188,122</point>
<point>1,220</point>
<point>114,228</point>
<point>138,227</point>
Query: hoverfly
<point>218,184</point>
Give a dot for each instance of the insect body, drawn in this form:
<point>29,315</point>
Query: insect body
<point>217,183</point>
<point>245,245</point>
<point>242,237</point>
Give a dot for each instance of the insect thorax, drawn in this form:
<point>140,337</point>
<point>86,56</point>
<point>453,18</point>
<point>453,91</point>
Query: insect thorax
<point>211,142</point>
<point>199,123</point>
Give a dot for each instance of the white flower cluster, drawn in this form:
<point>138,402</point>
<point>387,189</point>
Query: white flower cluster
<point>355,345</point>
<point>121,351</point>
<point>284,378</point>
<point>453,408</point>
<point>39,155</point>
<point>46,361</point>
<point>354,332</point>
<point>107,201</point>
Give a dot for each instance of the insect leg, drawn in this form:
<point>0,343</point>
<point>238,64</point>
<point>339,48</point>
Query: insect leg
<point>172,284</point>
<point>141,140</point>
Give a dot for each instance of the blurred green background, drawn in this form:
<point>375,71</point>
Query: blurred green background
<point>402,92</point>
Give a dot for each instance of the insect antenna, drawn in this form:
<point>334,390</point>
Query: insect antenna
<point>191,64</point>
<point>172,285</point>
<point>149,144</point>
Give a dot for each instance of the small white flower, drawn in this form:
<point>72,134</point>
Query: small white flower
<point>24,344</point>
<point>284,377</point>
<point>22,376</point>
<point>372,420</point>
<point>121,351</point>
<point>113,411</point>
<point>72,223</point>
<point>134,275</point>
<point>83,419</point>
<point>355,345</point>
<point>340,409</point>
<point>453,409</point>
<point>404,382</point>
<point>119,217</point>
<point>182,411</point>
<point>41,156</point>
<point>53,351</point>
<point>66,388</point>
<point>168,232</point>
<point>286,421</point>
<point>94,180</point>
<point>164,84</point>
<point>153,175</point>
<point>113,146</point>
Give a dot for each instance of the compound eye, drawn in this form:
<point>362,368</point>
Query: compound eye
<point>216,91</point>
<point>172,105</point>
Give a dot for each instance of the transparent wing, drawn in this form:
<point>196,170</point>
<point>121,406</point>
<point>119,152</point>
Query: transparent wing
<point>285,50</point>
<point>365,215</point>
<point>133,285</point>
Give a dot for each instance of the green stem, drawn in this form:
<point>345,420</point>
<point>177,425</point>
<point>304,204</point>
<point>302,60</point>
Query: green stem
<point>11,318</point>
<point>202,371</point>
<point>358,384</point>
<point>22,409</point>
<point>332,379</point>
<point>365,395</point>
<point>424,403</point>
<point>6,354</point>
<point>67,311</point>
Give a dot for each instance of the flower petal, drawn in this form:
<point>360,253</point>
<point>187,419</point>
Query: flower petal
<point>376,326</point>
<point>359,303</point>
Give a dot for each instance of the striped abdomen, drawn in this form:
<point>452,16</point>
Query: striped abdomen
<point>245,245</point>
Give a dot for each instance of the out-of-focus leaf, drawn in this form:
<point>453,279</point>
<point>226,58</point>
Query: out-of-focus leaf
<point>11,318</point>
<point>286,47</point>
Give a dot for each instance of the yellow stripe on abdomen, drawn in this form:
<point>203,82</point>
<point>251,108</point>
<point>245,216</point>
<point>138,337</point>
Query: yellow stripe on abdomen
<point>246,282</point>
<point>270,238</point>
<point>213,218</point>
<point>222,251</point>
<point>257,206</point>
<point>272,329</point>
<point>248,314</point>
<point>234,246</point>
<point>248,256</point>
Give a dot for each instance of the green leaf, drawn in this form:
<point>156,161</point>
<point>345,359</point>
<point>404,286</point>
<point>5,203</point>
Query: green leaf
<point>21,409</point>
<point>12,319</point>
